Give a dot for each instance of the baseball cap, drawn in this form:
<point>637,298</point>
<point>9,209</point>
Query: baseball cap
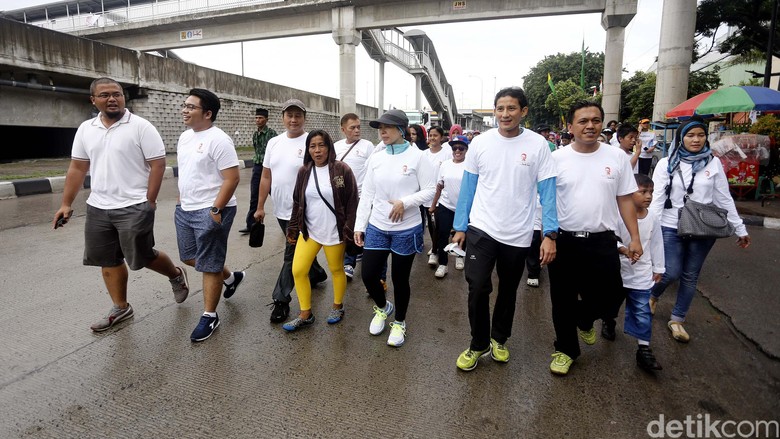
<point>293,103</point>
<point>644,121</point>
<point>392,117</point>
<point>542,128</point>
<point>463,140</point>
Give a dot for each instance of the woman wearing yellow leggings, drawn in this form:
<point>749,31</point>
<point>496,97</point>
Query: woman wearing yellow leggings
<point>325,200</point>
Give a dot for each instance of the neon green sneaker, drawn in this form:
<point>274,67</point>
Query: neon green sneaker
<point>589,337</point>
<point>499,352</point>
<point>468,359</point>
<point>561,363</point>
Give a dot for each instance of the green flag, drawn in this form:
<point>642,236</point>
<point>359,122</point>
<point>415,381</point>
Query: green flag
<point>582,69</point>
<point>550,83</point>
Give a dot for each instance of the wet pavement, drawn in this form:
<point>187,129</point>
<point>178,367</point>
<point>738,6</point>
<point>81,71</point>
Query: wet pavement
<point>251,380</point>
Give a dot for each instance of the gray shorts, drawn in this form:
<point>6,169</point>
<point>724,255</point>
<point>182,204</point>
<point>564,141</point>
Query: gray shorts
<point>203,240</point>
<point>112,236</point>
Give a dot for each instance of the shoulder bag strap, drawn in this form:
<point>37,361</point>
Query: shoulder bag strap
<point>346,153</point>
<point>689,189</point>
<point>317,184</point>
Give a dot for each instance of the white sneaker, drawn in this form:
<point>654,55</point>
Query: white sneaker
<point>441,271</point>
<point>533,282</point>
<point>460,262</point>
<point>430,252</point>
<point>433,260</point>
<point>380,315</point>
<point>397,334</point>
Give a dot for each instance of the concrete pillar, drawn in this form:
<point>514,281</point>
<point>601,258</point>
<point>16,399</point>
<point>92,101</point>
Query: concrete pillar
<point>675,50</point>
<point>347,37</point>
<point>380,88</point>
<point>617,14</point>
<point>417,91</point>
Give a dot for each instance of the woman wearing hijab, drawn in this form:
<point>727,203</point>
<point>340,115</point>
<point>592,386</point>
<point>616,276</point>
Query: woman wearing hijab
<point>398,180</point>
<point>418,137</point>
<point>325,201</point>
<point>690,170</point>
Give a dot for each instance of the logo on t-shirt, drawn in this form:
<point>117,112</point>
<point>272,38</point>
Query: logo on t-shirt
<point>300,153</point>
<point>608,173</point>
<point>524,160</point>
<point>338,181</point>
<point>707,174</point>
<point>200,148</point>
<point>405,170</point>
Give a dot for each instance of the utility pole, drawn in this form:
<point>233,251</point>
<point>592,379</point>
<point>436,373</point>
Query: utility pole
<point>770,45</point>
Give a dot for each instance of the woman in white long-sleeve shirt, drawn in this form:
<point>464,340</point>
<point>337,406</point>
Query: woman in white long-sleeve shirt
<point>397,181</point>
<point>689,169</point>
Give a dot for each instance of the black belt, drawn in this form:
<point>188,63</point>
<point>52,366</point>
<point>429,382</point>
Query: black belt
<point>608,234</point>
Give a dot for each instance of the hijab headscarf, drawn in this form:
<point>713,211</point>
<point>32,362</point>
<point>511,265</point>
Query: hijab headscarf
<point>678,154</point>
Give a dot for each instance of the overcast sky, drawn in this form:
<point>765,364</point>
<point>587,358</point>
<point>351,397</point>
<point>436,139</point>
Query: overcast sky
<point>478,57</point>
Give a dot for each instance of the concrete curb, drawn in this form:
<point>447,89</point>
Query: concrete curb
<point>55,185</point>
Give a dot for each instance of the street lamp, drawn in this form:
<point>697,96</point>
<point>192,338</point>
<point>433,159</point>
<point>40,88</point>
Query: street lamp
<point>481,89</point>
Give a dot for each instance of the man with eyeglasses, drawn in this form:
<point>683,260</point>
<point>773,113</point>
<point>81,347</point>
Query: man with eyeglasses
<point>208,177</point>
<point>283,158</point>
<point>125,157</point>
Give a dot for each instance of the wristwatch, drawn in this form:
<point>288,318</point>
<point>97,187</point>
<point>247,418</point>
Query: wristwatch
<point>551,235</point>
<point>216,211</point>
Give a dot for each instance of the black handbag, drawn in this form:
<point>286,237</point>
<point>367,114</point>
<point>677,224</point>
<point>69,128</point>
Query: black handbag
<point>256,234</point>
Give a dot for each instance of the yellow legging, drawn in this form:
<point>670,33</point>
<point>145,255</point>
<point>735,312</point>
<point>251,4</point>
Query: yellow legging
<point>305,252</point>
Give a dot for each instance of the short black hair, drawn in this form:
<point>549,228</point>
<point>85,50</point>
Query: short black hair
<point>580,105</point>
<point>437,128</point>
<point>103,80</point>
<point>514,92</point>
<point>643,180</point>
<point>208,100</point>
<point>626,129</point>
<point>349,116</point>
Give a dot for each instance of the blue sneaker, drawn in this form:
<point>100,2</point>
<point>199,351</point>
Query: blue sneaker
<point>231,289</point>
<point>349,271</point>
<point>335,316</point>
<point>205,328</point>
<point>298,322</point>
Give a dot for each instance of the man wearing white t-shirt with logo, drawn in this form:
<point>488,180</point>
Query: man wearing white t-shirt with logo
<point>283,158</point>
<point>594,190</point>
<point>353,151</point>
<point>208,177</point>
<point>495,216</point>
<point>646,142</point>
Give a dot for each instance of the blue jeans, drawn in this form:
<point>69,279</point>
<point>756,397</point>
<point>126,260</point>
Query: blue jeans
<point>639,322</point>
<point>684,260</point>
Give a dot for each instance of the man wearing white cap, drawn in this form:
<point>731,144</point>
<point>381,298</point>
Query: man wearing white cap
<point>283,157</point>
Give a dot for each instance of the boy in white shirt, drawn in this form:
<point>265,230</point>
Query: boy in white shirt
<point>639,277</point>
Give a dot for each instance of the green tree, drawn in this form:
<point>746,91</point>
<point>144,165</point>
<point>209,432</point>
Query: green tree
<point>700,82</point>
<point>636,97</point>
<point>567,93</point>
<point>749,17</point>
<point>561,67</point>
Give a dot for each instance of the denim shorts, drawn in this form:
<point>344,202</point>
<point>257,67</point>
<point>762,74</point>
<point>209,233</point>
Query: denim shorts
<point>402,242</point>
<point>203,239</point>
<point>112,236</point>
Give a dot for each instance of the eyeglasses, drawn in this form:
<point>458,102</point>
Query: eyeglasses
<point>190,107</point>
<point>115,95</point>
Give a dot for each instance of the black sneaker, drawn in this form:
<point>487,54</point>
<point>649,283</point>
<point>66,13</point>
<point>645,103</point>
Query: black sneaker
<point>238,276</point>
<point>279,312</point>
<point>646,360</point>
<point>608,329</point>
<point>205,328</point>
<point>244,231</point>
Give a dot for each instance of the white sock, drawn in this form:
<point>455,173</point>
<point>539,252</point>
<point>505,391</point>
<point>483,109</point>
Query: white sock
<point>210,314</point>
<point>230,280</point>
<point>643,343</point>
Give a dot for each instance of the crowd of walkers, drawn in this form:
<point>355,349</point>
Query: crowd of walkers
<point>500,200</point>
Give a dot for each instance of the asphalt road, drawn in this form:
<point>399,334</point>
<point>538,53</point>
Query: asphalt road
<point>250,379</point>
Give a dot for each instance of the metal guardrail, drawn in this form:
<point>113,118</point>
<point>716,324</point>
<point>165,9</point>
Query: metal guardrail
<point>143,12</point>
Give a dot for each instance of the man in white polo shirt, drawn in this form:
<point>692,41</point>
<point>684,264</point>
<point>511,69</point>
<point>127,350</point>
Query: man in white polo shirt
<point>283,158</point>
<point>125,157</point>
<point>495,217</point>
<point>353,151</point>
<point>594,188</point>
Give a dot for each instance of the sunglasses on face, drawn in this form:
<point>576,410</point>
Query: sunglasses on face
<point>458,148</point>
